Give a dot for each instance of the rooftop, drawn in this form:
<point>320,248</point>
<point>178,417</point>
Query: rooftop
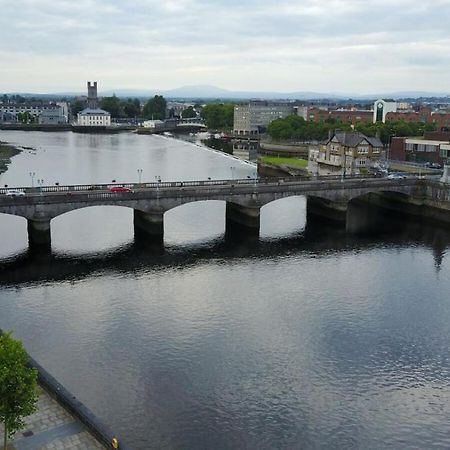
<point>94,112</point>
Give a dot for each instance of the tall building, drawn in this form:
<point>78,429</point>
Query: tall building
<point>252,118</point>
<point>92,100</point>
<point>93,116</point>
<point>381,108</point>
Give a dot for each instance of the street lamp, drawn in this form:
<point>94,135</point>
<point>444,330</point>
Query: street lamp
<point>388,150</point>
<point>40,183</point>
<point>139,171</point>
<point>232,168</point>
<point>158,180</point>
<point>32,175</point>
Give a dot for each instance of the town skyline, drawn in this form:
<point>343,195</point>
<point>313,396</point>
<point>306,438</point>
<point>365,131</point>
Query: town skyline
<point>343,46</point>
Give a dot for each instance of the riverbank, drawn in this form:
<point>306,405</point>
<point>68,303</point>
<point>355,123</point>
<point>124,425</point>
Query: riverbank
<point>52,427</point>
<point>61,421</point>
<point>272,166</point>
<point>7,151</point>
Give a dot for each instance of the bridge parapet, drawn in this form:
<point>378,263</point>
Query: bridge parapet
<point>244,197</point>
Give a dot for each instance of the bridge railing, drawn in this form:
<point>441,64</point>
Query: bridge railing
<point>176,184</point>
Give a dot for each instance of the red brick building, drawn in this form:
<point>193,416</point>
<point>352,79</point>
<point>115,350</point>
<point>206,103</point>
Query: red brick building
<point>434,147</point>
<point>352,116</point>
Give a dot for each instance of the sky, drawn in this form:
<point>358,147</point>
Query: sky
<point>333,46</point>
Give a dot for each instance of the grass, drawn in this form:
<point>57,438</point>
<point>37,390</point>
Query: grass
<point>278,161</point>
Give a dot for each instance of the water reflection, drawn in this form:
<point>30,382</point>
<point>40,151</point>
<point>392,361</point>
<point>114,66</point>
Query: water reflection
<point>306,337</point>
<point>317,240</point>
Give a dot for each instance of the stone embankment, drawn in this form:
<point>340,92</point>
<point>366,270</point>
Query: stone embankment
<point>61,421</point>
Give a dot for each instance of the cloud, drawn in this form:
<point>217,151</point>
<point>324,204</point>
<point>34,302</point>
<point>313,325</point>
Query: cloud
<point>251,45</point>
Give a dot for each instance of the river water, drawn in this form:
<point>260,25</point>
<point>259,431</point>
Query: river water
<point>308,339</point>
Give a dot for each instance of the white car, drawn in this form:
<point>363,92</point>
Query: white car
<point>396,176</point>
<point>15,192</point>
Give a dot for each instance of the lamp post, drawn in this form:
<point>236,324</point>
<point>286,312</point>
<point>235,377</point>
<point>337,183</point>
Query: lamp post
<point>255,177</point>
<point>232,168</point>
<point>139,171</point>
<point>158,180</point>
<point>32,175</point>
<point>388,150</point>
<point>40,183</point>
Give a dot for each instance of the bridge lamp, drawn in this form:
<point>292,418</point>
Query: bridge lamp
<point>40,183</point>
<point>158,180</point>
<point>139,171</point>
<point>32,175</point>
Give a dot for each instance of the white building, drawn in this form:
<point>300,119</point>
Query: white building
<point>12,110</point>
<point>94,118</point>
<point>381,108</point>
<point>153,124</point>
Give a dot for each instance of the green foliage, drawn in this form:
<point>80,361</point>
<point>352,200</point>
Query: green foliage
<point>188,113</point>
<point>132,108</point>
<point>296,128</point>
<point>25,117</point>
<point>112,105</point>
<point>76,107</point>
<point>155,108</point>
<point>18,382</point>
<point>219,116</point>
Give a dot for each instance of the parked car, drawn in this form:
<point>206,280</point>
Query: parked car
<point>15,193</point>
<point>119,189</point>
<point>433,165</point>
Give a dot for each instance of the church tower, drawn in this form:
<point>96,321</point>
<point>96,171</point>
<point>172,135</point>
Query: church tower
<point>92,101</point>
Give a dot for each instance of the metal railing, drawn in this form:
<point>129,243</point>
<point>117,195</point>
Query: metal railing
<point>138,187</point>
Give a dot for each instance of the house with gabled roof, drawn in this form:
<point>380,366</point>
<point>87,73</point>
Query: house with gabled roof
<point>348,153</point>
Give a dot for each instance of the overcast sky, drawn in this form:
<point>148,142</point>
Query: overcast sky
<point>350,46</point>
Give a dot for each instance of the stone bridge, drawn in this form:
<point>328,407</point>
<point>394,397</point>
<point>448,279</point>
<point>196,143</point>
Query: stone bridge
<point>327,197</point>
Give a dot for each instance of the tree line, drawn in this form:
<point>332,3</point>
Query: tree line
<point>298,129</point>
<point>218,116</point>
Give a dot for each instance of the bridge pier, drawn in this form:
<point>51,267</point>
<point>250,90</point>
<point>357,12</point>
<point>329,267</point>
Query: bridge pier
<point>39,233</point>
<point>321,209</point>
<point>149,225</point>
<point>364,216</point>
<point>242,219</point>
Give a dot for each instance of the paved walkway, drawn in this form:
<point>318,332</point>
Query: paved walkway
<point>51,427</point>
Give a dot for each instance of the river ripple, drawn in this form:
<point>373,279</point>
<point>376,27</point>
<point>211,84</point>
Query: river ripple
<point>308,339</point>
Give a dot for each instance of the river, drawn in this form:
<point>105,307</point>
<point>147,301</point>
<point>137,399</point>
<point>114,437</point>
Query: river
<point>309,338</point>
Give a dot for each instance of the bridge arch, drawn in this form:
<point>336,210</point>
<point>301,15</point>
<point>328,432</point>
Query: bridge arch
<point>202,221</point>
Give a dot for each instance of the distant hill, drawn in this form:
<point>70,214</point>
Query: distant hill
<point>214,92</point>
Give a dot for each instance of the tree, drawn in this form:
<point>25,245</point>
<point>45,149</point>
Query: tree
<point>25,117</point>
<point>188,113</point>
<point>112,105</point>
<point>218,115</point>
<point>132,108</point>
<point>155,108</point>
<point>76,107</point>
<point>18,395</point>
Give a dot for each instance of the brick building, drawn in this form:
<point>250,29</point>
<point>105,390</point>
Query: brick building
<point>434,147</point>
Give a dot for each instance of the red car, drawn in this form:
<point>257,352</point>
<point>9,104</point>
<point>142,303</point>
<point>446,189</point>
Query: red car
<point>119,189</point>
